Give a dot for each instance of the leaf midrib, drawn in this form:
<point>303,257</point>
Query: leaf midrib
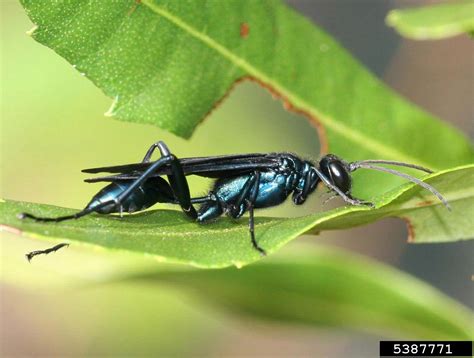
<point>138,233</point>
<point>345,131</point>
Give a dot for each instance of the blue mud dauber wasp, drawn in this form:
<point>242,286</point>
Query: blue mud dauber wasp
<point>243,182</point>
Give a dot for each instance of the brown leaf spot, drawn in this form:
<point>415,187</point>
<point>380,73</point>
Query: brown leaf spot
<point>411,230</point>
<point>244,30</point>
<point>425,203</point>
<point>134,7</point>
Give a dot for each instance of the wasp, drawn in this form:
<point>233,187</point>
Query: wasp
<point>243,183</point>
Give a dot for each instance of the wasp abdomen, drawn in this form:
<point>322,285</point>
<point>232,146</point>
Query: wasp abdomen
<point>152,191</point>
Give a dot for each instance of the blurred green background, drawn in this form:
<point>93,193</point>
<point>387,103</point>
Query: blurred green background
<point>52,125</point>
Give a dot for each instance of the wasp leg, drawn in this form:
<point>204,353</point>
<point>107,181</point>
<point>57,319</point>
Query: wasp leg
<point>59,218</point>
<point>300,197</point>
<point>251,203</point>
<point>347,198</point>
<point>32,254</point>
<point>329,198</point>
<point>197,200</point>
<point>149,153</point>
<point>236,210</point>
<point>252,229</point>
<point>178,182</point>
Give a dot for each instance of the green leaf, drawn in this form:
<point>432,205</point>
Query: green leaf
<point>171,237</point>
<point>435,21</point>
<point>329,287</point>
<point>307,284</point>
<point>169,63</point>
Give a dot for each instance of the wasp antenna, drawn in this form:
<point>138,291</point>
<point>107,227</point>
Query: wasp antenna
<point>390,162</point>
<point>417,181</point>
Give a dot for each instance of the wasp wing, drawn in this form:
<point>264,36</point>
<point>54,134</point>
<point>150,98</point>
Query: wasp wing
<point>211,167</point>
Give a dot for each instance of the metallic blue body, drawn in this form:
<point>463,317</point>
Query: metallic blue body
<point>274,187</point>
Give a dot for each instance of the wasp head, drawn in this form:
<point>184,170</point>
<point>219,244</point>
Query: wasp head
<point>337,171</point>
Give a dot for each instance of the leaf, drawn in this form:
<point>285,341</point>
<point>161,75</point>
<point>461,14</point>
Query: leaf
<point>170,237</point>
<point>310,285</point>
<point>169,63</point>
<point>329,287</point>
<point>433,22</point>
